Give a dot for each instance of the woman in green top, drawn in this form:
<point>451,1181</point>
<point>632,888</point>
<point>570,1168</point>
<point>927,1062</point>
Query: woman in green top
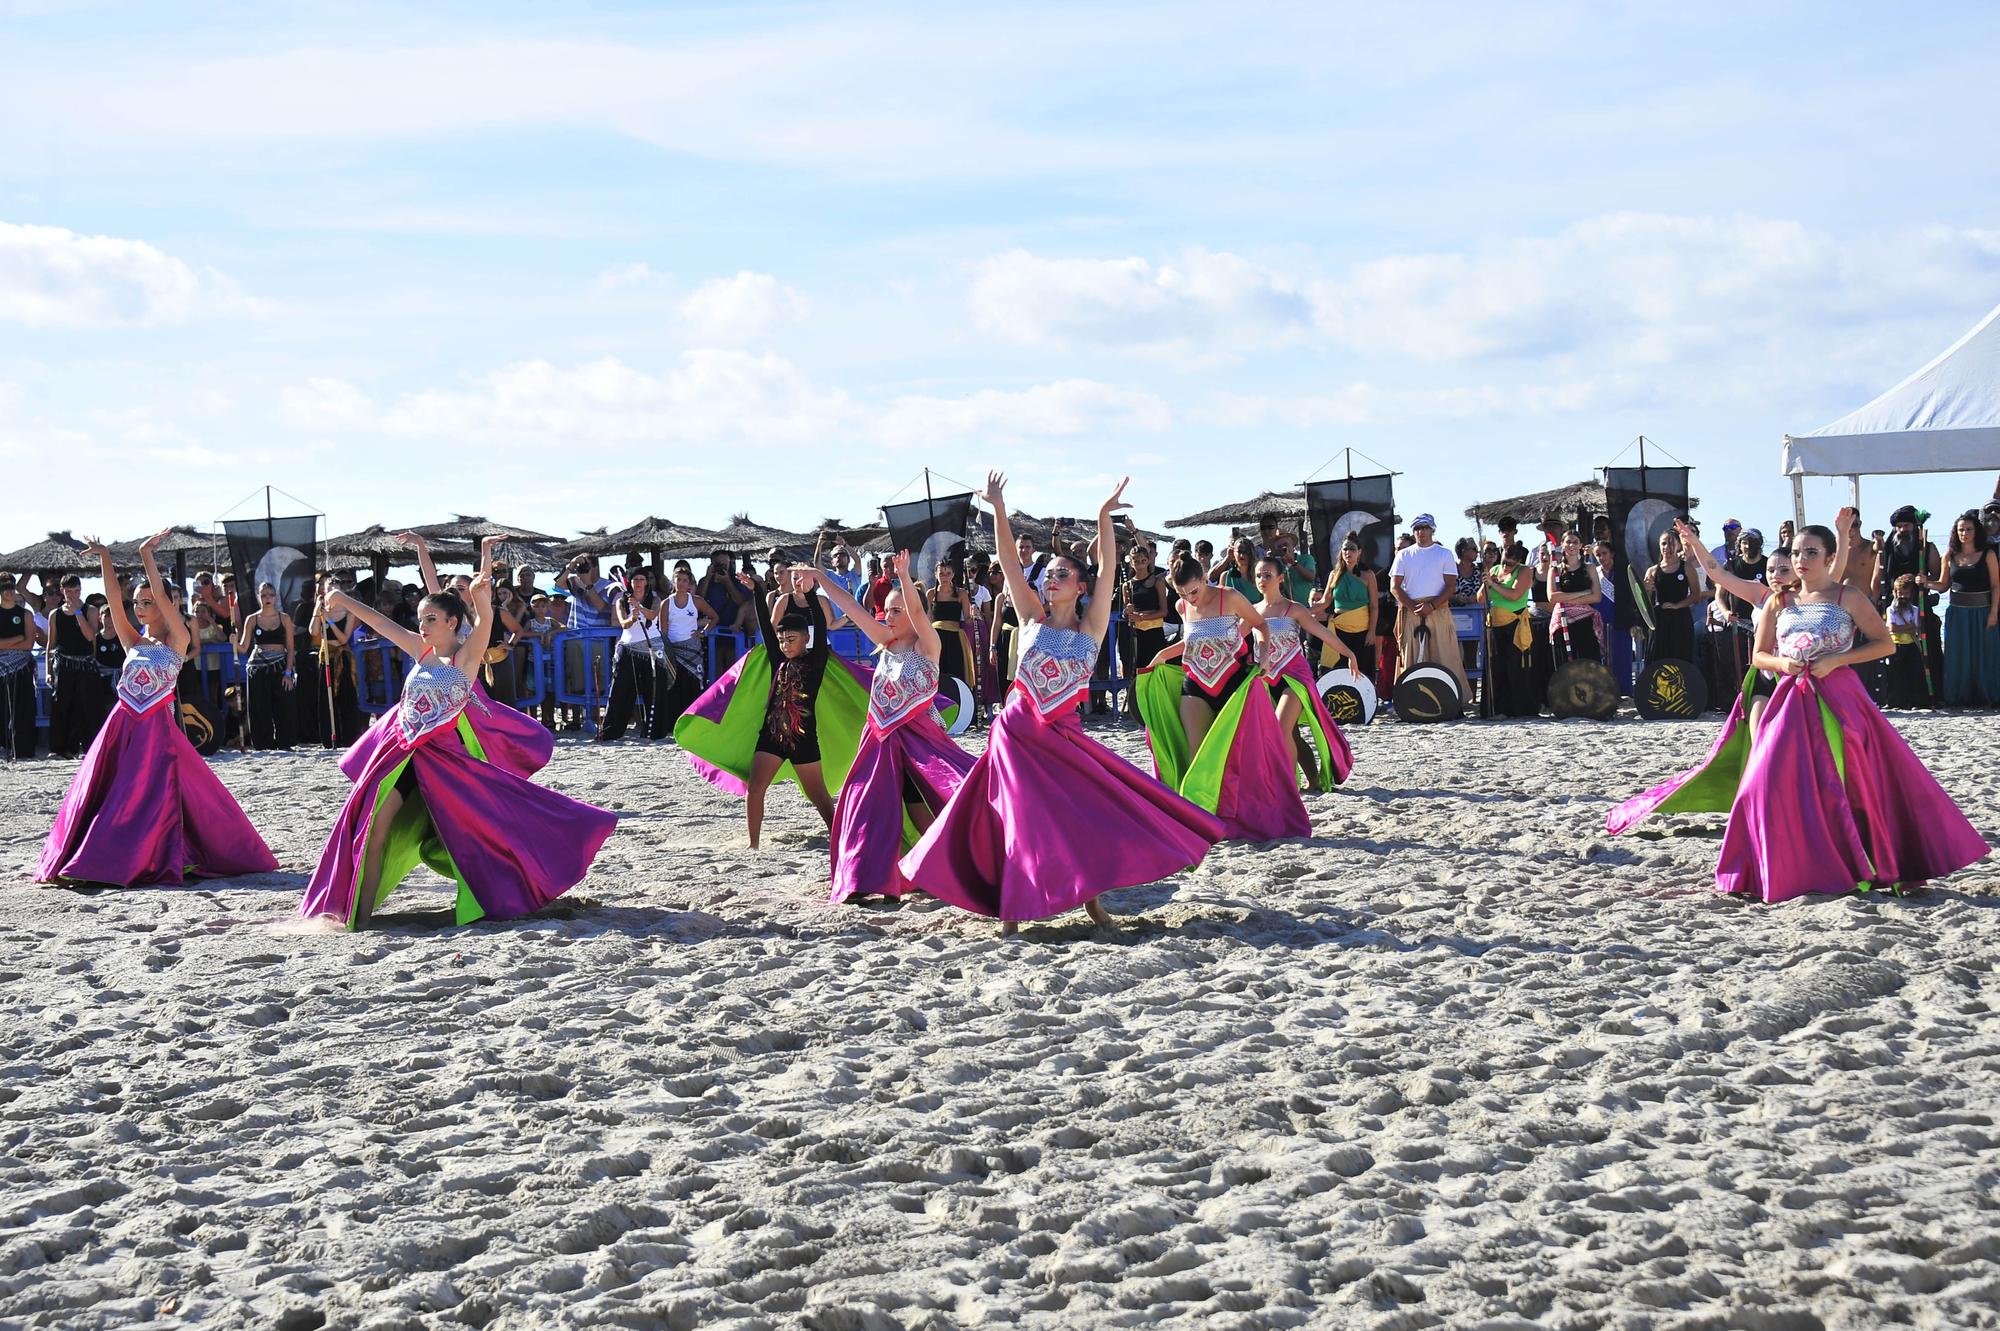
<point>1350,599</point>
<point>1510,687</point>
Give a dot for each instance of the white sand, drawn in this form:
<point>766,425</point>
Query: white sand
<point>1461,1060</point>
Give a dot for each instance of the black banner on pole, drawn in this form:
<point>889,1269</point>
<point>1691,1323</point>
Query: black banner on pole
<point>932,530</point>
<point>281,551</point>
<point>1359,506</point>
<point>1643,503</point>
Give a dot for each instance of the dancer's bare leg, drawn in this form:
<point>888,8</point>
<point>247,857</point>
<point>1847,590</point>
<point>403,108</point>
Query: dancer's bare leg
<point>1098,915</point>
<point>372,856</point>
<point>763,767</point>
<point>813,782</point>
<point>1196,717</point>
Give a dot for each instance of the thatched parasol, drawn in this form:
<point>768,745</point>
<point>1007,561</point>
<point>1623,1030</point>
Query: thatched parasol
<point>1566,503</point>
<point>513,554</point>
<point>585,544</point>
<point>745,535</point>
<point>377,544</point>
<point>60,553</point>
<point>180,543</point>
<point>649,535</point>
<point>464,527</point>
<point>1280,504</point>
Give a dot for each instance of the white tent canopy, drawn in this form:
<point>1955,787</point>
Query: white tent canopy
<point>1945,417</point>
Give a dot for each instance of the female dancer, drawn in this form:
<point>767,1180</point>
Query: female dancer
<point>907,768</point>
<point>1675,594</point>
<point>509,739</point>
<point>1048,819</point>
<point>1208,741</point>
<point>428,792</point>
<point>143,808</point>
<point>1145,603</point>
<point>1322,749</point>
<point>1509,688</point>
<point>636,679</point>
<point>788,706</point>
<point>265,646</point>
<point>18,635</point>
<point>1350,599</point>
<point>1971,573</point>
<point>1574,592</point>
<point>1831,798</point>
<point>951,611</point>
<point>78,697</point>
<point>334,632</point>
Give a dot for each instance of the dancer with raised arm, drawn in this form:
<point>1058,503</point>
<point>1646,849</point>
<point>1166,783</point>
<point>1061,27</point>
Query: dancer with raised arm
<point>1710,785</point>
<point>1832,799</point>
<point>1048,819</point>
<point>430,795</point>
<point>1213,739</point>
<point>508,738</point>
<point>906,768</point>
<point>144,809</point>
<point>788,707</point>
<point>1322,749</point>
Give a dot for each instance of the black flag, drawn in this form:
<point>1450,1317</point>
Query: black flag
<point>281,551</point>
<point>1360,506</point>
<point>932,530</point>
<point>1643,503</point>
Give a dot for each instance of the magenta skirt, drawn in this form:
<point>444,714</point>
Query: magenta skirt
<point>144,810</point>
<point>915,763</point>
<point>1048,819</point>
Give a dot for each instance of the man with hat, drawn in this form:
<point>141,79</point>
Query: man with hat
<point>1909,549</point>
<point>1421,579</point>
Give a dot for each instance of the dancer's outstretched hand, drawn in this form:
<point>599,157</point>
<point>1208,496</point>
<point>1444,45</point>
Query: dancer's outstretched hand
<point>995,491</point>
<point>412,540</point>
<point>1117,499</point>
<point>151,544</point>
<point>805,579</point>
<point>482,591</point>
<point>901,564</point>
<point>93,548</point>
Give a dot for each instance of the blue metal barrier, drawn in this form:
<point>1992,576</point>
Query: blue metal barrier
<point>1470,621</point>
<point>378,695</point>
<point>583,669</point>
<point>741,641</point>
<point>531,667</point>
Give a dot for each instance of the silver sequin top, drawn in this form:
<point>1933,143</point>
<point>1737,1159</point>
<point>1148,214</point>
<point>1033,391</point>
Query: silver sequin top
<point>1808,632</point>
<point>434,693</point>
<point>904,683</point>
<point>149,674</point>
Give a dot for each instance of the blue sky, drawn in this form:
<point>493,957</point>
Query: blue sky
<point>572,265</point>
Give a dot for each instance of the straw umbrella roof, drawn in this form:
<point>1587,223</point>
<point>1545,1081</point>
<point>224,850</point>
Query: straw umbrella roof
<point>649,533</point>
<point>371,541</point>
<point>514,554</point>
<point>1272,503</point>
<point>468,527</point>
<point>1565,501</point>
<point>744,534</point>
<point>587,543</point>
<point>180,540</point>
<point>59,553</point>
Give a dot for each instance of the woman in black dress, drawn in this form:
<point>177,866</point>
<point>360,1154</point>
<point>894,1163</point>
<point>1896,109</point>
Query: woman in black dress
<point>78,701</point>
<point>1145,598</point>
<point>951,611</point>
<point>270,672</point>
<point>1574,591</point>
<point>1675,591</point>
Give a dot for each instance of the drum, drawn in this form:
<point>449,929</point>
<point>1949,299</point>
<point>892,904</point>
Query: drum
<point>1349,698</point>
<point>201,723</point>
<point>1671,690</point>
<point>954,704</point>
<point>1583,689</point>
<point>1428,693</point>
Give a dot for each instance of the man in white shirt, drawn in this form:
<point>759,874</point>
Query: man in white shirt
<point>1421,580</point>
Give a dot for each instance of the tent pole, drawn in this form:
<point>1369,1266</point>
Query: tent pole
<point>1798,502</point>
<point>1854,492</point>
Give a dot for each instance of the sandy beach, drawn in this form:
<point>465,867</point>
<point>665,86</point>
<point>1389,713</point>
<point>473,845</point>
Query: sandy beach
<point>1459,1060</point>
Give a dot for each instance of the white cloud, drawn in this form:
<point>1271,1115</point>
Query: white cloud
<point>624,276</point>
<point>730,311</point>
<point>1064,409</point>
<point>325,404</point>
<point>51,277</point>
<point>1198,305</point>
<point>1363,403</point>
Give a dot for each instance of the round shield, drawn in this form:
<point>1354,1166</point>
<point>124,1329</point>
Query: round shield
<point>1585,689</point>
<point>1644,525</point>
<point>1349,698</point>
<point>954,704</point>
<point>201,724</point>
<point>1428,693</point>
<point>1671,690</point>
